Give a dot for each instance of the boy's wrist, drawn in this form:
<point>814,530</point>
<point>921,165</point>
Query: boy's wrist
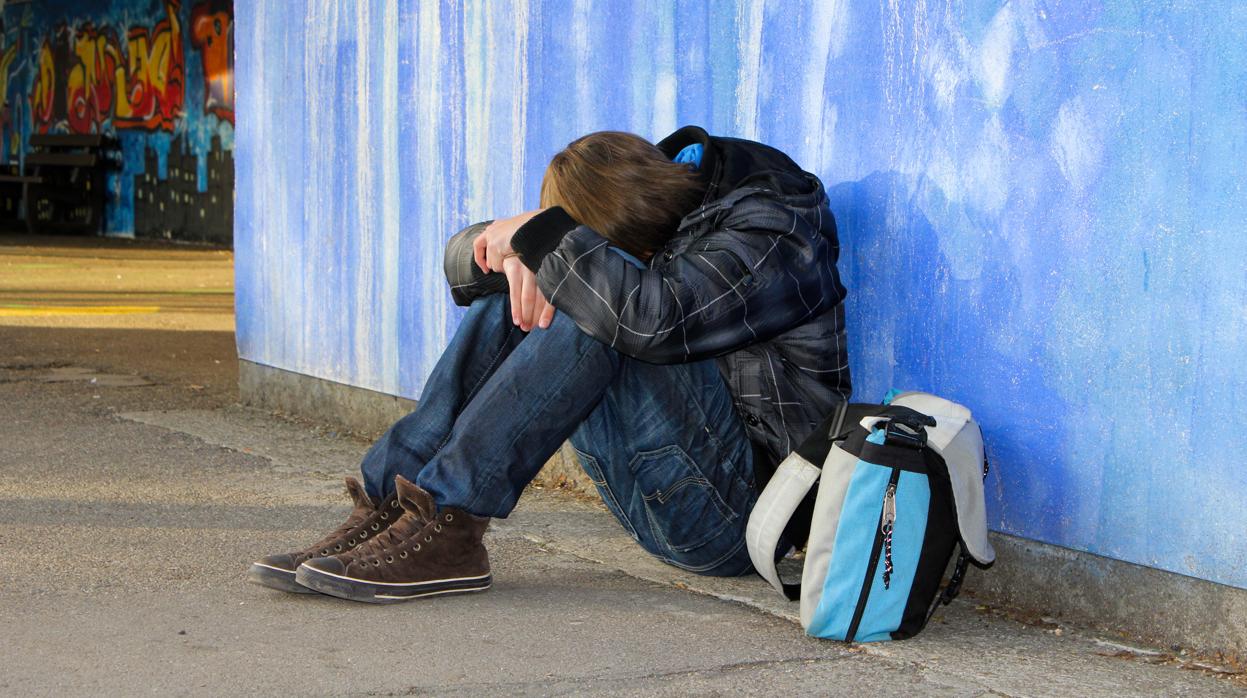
<point>541,235</point>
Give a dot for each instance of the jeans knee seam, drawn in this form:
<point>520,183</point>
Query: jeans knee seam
<point>489,368</point>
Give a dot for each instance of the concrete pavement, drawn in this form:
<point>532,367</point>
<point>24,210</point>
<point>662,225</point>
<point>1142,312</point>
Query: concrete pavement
<point>123,306</point>
<point>131,503</point>
<point>126,535</point>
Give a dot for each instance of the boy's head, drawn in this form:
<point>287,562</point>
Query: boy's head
<point>624,188</point>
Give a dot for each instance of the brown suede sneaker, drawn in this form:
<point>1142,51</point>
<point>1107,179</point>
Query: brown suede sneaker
<point>366,519</point>
<point>425,553</point>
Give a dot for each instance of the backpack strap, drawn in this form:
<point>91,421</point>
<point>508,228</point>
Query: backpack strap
<point>953,588</point>
<point>775,506</point>
<point>788,493</point>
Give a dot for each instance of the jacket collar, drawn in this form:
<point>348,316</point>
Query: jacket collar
<point>731,163</point>
<point>710,169</point>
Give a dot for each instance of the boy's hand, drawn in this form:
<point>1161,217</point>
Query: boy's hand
<point>529,307</point>
<point>493,245</point>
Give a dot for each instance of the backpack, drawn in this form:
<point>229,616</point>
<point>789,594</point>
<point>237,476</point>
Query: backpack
<point>900,487</point>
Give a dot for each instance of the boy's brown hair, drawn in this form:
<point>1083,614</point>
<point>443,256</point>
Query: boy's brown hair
<point>624,188</point>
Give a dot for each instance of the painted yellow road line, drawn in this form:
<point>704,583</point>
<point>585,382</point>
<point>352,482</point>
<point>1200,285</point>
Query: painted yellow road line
<point>37,311</point>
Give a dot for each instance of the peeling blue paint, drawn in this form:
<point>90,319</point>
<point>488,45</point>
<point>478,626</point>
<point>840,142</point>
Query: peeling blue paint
<point>998,170</point>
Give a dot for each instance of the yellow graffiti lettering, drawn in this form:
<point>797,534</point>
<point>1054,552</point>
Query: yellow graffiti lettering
<point>45,84</point>
<point>89,85</point>
<point>155,66</point>
<point>6,60</point>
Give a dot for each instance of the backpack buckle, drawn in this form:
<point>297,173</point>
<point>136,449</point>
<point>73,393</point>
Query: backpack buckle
<point>908,430</point>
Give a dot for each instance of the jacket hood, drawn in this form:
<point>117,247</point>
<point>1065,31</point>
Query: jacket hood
<point>733,163</point>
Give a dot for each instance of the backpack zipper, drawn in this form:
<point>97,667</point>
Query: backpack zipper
<point>875,551</point>
<point>889,518</point>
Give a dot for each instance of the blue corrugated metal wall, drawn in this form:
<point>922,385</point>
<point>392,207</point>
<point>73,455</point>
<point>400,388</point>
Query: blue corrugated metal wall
<point>1041,208</point>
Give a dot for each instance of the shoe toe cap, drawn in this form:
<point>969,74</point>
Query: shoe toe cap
<point>284,561</point>
<point>331,565</point>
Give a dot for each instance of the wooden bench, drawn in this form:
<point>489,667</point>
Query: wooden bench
<point>64,183</point>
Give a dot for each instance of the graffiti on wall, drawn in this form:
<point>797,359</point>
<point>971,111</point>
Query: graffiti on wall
<point>152,94</point>
<point>175,206</point>
<point>212,32</point>
<point>7,56</point>
<point>158,75</point>
<point>45,100</point>
<point>138,85</point>
<point>89,85</point>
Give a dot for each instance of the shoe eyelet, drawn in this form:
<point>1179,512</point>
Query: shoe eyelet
<point>350,543</point>
<point>384,515</point>
<point>450,517</point>
<point>428,539</point>
<point>337,548</point>
<point>403,555</point>
<point>416,549</point>
<point>438,528</point>
<point>389,559</point>
<point>394,504</point>
<point>376,526</point>
<point>376,563</point>
<point>363,535</point>
<point>324,553</point>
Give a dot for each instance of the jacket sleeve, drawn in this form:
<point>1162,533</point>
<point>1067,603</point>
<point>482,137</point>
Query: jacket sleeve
<point>760,273</point>
<point>467,281</point>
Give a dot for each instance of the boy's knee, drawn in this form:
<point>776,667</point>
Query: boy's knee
<point>491,303</point>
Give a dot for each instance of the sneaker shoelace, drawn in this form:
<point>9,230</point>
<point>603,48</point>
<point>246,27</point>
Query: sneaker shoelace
<point>323,546</point>
<point>409,527</point>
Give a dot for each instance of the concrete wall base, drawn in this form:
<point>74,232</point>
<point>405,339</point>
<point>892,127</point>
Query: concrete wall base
<point>354,408</point>
<point>1162,607</point>
<point>1055,582</point>
<point>365,411</point>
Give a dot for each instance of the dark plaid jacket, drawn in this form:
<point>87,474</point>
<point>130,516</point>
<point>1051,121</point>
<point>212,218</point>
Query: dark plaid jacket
<point>749,278</point>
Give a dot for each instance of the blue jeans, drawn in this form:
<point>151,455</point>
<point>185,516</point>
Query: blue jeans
<point>663,444</point>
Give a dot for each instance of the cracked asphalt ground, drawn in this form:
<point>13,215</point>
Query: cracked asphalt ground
<point>133,493</point>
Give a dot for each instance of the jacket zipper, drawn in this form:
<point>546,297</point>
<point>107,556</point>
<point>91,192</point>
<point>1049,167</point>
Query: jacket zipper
<point>875,551</point>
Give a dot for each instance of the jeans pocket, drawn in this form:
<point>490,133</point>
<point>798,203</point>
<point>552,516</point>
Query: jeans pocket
<point>593,469</point>
<point>685,508</point>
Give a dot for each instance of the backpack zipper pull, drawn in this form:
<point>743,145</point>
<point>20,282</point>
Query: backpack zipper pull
<point>889,518</point>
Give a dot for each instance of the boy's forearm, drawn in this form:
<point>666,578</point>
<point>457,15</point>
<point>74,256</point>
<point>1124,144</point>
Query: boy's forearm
<point>541,235</point>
